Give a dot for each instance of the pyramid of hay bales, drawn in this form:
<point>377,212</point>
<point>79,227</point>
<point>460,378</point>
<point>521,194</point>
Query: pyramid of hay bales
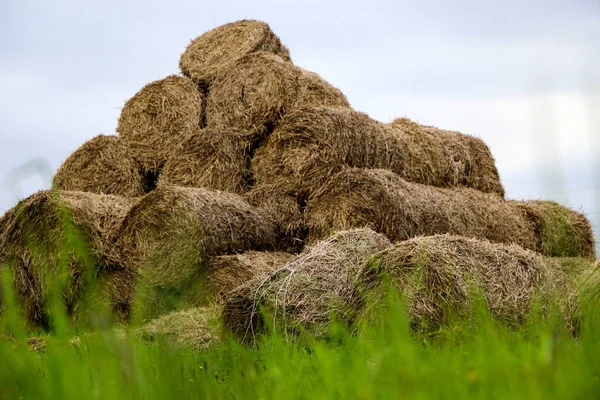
<point>217,176</point>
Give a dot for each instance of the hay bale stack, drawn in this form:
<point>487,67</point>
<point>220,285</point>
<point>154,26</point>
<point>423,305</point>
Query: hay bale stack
<point>306,292</point>
<point>217,51</point>
<point>446,158</point>
<point>170,234</point>
<point>211,159</point>
<point>102,165</point>
<point>59,235</point>
<point>316,91</point>
<point>159,118</point>
<point>561,232</point>
<point>228,272</point>
<point>196,328</point>
<point>252,97</point>
<point>402,210</point>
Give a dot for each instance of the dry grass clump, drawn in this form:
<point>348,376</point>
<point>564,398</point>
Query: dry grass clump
<point>211,159</point>
<point>196,328</point>
<point>217,51</point>
<point>163,114</point>
<point>316,91</point>
<point>306,292</point>
<point>170,233</point>
<point>52,240</point>
<point>250,98</point>
<point>561,232</point>
<point>228,272</point>
<point>102,165</point>
<point>444,158</point>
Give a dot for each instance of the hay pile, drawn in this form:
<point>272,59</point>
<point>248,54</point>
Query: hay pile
<point>402,210</point>
<point>316,91</point>
<point>169,235</point>
<point>62,237</point>
<point>102,165</point>
<point>159,118</point>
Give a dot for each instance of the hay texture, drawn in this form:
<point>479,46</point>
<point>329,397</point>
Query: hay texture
<point>171,233</point>
<point>195,329</point>
<point>211,159</point>
<point>102,165</point>
<point>159,118</point>
<point>313,90</point>
<point>228,272</point>
<point>445,158</point>
<point>401,210</point>
<point>59,236</point>
<point>219,50</point>
<point>252,97</point>
<point>308,291</point>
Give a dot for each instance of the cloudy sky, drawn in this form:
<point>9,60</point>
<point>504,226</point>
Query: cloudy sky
<point>523,75</point>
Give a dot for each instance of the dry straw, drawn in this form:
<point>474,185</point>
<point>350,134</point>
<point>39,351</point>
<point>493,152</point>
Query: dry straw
<point>217,51</point>
<point>401,210</point>
<point>308,291</point>
<point>102,165</point>
<point>159,118</point>
<point>171,233</point>
<point>60,236</point>
<point>315,91</point>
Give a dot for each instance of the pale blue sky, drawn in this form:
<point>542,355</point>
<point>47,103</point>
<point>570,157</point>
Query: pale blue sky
<point>522,75</point>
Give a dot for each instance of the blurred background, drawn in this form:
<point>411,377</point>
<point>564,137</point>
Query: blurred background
<point>522,75</point>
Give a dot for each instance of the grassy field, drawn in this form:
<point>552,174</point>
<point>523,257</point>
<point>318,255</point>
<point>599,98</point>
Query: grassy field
<point>467,359</point>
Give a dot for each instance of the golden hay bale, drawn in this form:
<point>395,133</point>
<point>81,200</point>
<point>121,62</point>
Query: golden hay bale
<point>159,118</point>
<point>306,292</point>
<point>228,272</point>
<point>102,165</point>
<point>561,232</point>
<point>444,158</point>
<point>218,50</point>
<point>316,91</point>
<point>252,96</point>
<point>211,159</point>
<point>196,328</point>
<point>170,234</point>
<point>58,235</point>
<point>402,210</point>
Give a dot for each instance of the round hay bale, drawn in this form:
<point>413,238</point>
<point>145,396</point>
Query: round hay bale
<point>316,91</point>
<point>159,118</point>
<point>218,50</point>
<point>210,159</point>
<point>560,232</point>
<point>401,210</point>
<point>306,292</point>
<point>60,236</point>
<point>228,272</point>
<point>170,234</point>
<point>102,165</point>
<point>196,328</point>
<point>444,158</point>
<point>251,98</point>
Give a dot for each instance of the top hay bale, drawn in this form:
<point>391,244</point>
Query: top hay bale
<point>104,166</point>
<point>159,118</point>
<point>316,91</point>
<point>218,50</point>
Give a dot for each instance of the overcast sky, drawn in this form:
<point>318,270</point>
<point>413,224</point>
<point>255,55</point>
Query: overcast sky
<point>522,75</point>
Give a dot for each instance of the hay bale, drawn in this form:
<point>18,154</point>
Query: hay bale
<point>101,165</point>
<point>251,98</point>
<point>560,232</point>
<point>210,159</point>
<point>401,210</point>
<point>306,292</point>
<point>170,234</point>
<point>159,118</point>
<point>445,158</point>
<point>316,91</point>
<point>217,51</point>
<point>58,235</point>
<point>196,328</point>
<point>228,272</point>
